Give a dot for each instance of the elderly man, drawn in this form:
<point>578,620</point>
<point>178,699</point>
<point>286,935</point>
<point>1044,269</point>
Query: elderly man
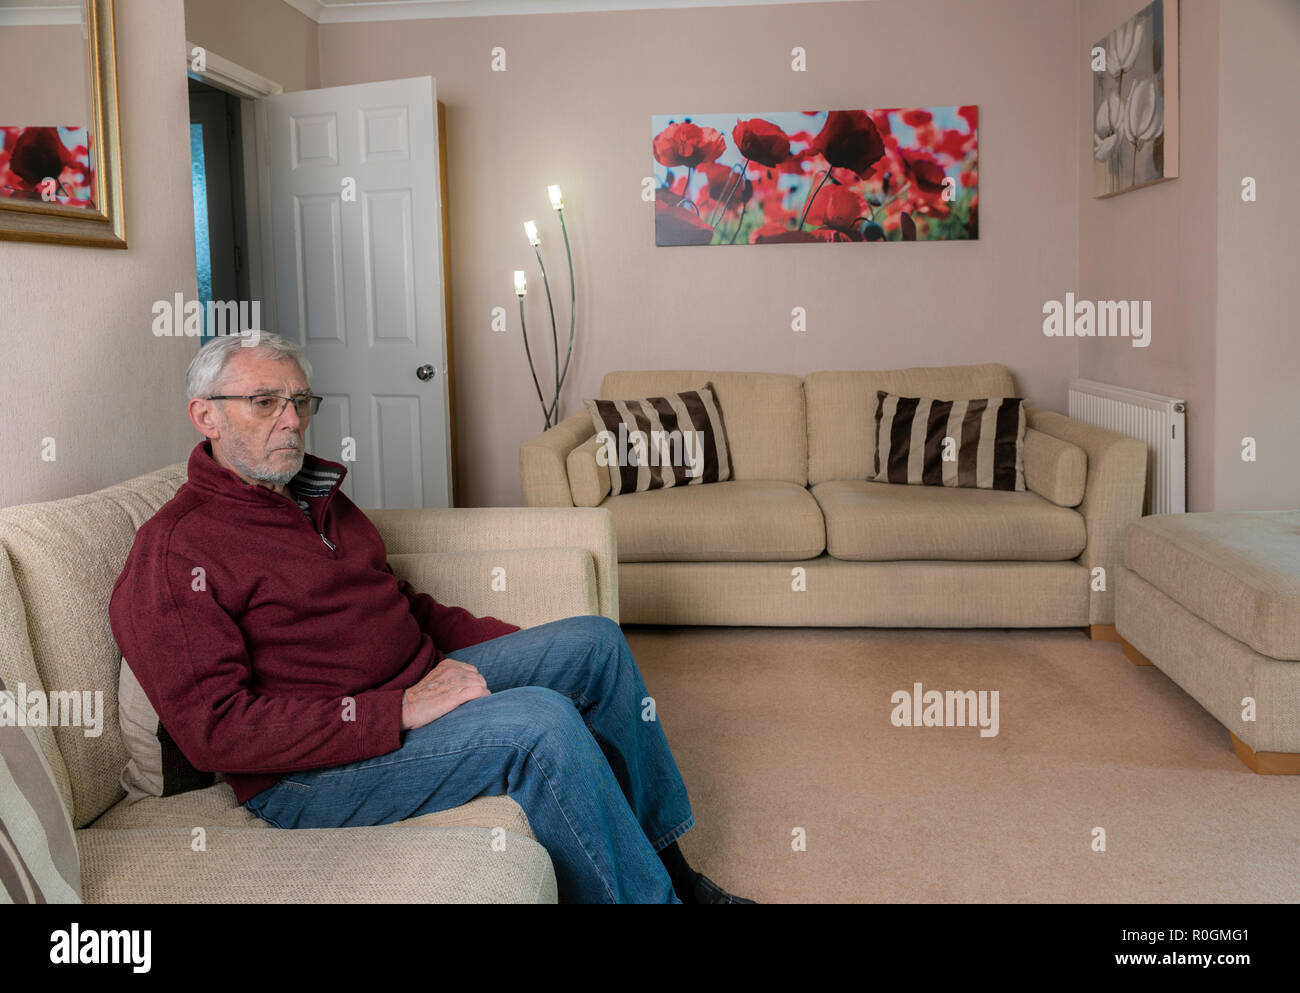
<point>318,682</point>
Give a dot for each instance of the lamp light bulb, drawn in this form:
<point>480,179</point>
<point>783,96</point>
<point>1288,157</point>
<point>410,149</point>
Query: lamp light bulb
<point>530,229</point>
<point>557,200</point>
<point>521,282</point>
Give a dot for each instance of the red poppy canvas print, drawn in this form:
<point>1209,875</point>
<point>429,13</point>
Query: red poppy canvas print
<point>896,174</point>
<point>50,164</point>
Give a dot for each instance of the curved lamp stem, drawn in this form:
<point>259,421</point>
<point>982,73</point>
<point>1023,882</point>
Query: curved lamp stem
<point>555,345</point>
<point>529,352</point>
<point>573,297</point>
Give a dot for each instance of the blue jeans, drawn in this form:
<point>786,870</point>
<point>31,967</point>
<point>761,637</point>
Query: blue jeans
<point>562,732</point>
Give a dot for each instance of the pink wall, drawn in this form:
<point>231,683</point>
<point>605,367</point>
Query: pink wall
<point>1159,243</point>
<point>574,108</point>
<point>1257,358</point>
<point>267,36</point>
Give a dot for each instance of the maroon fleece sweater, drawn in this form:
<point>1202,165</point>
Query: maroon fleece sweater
<point>248,662</point>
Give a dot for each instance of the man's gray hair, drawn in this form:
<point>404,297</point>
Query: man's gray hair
<point>208,366</point>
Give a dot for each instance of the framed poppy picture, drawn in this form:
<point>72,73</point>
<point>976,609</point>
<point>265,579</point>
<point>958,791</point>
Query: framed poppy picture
<point>894,174</point>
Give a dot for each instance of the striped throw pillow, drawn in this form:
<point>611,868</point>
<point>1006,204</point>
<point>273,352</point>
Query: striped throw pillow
<point>972,443</point>
<point>650,444</point>
<point>38,847</point>
<point>155,764</point>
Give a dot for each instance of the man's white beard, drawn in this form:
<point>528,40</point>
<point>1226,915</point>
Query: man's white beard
<point>266,475</point>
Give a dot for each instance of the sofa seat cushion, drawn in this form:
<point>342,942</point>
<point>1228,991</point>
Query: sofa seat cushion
<point>1239,571</point>
<point>882,522</point>
<point>741,520</point>
<point>359,865</point>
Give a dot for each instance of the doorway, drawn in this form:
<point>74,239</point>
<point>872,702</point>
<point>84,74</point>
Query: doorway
<point>220,207</point>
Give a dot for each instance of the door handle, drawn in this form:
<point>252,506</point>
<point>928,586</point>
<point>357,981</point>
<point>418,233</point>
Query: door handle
<point>425,372</point>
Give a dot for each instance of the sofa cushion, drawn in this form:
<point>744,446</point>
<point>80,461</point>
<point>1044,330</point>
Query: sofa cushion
<point>359,865</point>
<point>588,481</point>
<point>878,522</point>
<point>986,435</point>
<point>841,410</point>
<point>38,849</point>
<point>736,521</point>
<point>679,439</point>
<point>1239,571</point>
<point>764,410</point>
<point>66,555</point>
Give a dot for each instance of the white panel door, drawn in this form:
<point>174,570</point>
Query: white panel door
<point>359,280</point>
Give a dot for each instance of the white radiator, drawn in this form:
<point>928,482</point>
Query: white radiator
<point>1159,421</point>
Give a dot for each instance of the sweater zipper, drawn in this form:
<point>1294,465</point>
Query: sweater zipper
<point>324,512</point>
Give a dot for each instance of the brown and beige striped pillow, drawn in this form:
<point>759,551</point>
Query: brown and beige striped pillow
<point>974,443</point>
<point>155,764</point>
<point>38,847</point>
<point>657,442</point>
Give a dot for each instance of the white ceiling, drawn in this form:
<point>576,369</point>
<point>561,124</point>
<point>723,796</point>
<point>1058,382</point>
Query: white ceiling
<point>339,11</point>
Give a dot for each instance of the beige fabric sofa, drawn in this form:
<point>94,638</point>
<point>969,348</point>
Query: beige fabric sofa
<point>1213,601</point>
<point>871,554</point>
<point>58,562</point>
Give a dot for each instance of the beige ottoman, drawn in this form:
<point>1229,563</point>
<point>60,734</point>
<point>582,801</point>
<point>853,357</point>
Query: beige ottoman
<point>1213,602</point>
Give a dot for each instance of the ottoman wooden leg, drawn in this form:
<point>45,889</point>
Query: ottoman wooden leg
<point>1266,763</point>
<point>1134,656</point>
<point>1103,632</point>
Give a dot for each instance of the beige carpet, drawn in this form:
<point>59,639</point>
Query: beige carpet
<point>778,728</point>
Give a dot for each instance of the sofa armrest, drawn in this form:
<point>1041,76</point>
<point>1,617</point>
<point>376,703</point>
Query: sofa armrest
<point>542,469</point>
<point>1112,497</point>
<point>1055,469</point>
<point>521,586</point>
<point>472,529</point>
<point>588,480</point>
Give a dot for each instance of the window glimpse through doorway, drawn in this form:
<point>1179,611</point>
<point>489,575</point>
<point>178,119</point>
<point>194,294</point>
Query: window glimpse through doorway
<point>220,226</point>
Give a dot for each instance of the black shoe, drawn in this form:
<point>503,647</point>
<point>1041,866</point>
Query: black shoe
<point>707,891</point>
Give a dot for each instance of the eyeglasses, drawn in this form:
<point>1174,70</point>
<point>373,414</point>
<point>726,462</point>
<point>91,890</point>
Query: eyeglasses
<point>265,405</point>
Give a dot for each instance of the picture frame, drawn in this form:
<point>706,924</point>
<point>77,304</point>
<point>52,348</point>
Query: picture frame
<point>100,222</point>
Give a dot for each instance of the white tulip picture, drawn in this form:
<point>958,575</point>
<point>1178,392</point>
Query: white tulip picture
<point>1135,102</point>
